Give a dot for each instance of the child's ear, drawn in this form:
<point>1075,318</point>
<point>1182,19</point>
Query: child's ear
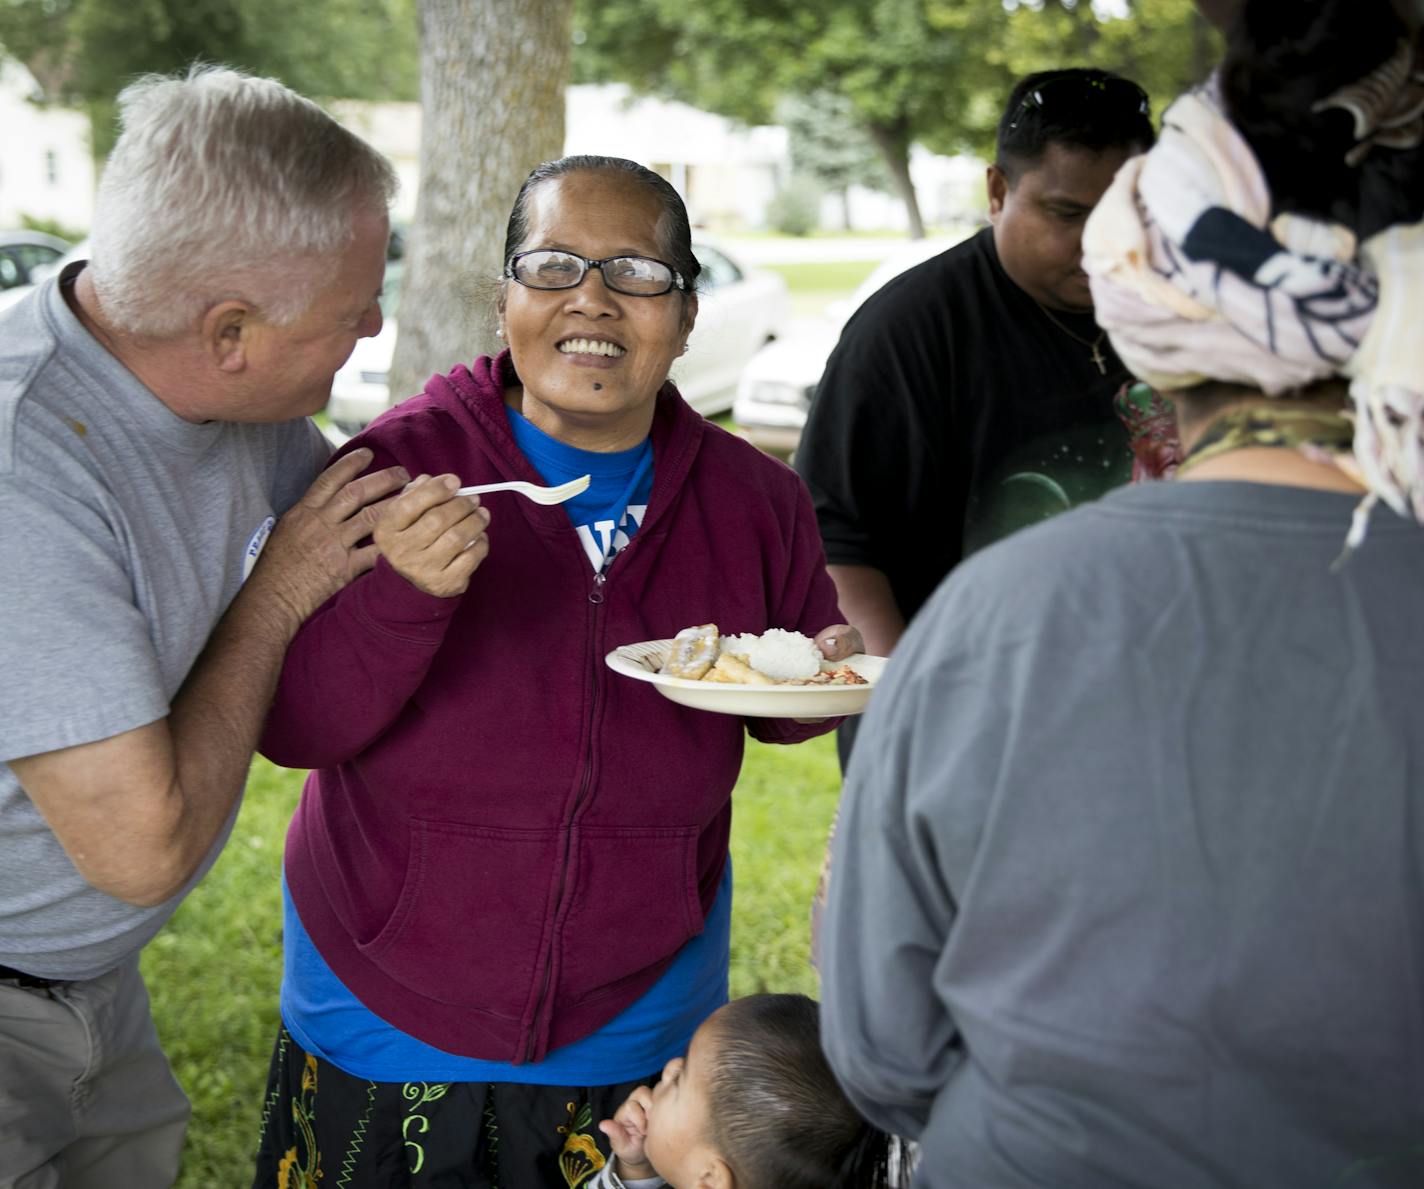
<point>716,1175</point>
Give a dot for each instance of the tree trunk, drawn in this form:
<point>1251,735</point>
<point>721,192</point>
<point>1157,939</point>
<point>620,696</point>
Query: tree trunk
<point>845,209</point>
<point>894,145</point>
<point>492,79</point>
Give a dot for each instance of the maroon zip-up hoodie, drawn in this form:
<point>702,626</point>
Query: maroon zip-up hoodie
<point>504,843</point>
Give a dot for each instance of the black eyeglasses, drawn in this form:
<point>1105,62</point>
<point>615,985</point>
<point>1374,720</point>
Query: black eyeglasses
<point>1086,86</point>
<point>637,276</point>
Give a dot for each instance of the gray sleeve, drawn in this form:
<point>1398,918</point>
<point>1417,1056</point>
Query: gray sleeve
<point>304,454</point>
<point>76,653</point>
<point>921,774</point>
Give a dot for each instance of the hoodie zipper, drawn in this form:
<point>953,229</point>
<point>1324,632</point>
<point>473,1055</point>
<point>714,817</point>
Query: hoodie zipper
<point>595,597</point>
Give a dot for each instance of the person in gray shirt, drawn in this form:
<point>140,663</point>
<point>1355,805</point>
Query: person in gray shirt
<point>161,540</point>
<point>1128,888</point>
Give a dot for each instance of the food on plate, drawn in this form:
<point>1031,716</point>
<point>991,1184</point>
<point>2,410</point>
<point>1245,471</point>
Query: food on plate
<point>776,657</point>
<point>783,656</point>
<point>840,675</point>
<point>734,671</point>
<point>694,651</point>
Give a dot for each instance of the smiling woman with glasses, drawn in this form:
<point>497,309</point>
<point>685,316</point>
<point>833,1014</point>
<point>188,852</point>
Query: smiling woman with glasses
<point>509,889</point>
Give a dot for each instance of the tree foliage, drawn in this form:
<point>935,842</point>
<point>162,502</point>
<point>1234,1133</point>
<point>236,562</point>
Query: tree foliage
<point>932,71</point>
<point>829,147</point>
<point>84,51</point>
<point>1165,45</point>
<point>901,65</point>
<point>715,54</point>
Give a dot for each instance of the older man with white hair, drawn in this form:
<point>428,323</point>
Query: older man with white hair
<point>160,546</point>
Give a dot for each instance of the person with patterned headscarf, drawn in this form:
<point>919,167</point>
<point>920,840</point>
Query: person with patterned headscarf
<point>1130,879</point>
<point>1274,241</point>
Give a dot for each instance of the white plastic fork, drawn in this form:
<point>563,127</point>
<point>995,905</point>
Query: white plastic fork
<point>540,495</point>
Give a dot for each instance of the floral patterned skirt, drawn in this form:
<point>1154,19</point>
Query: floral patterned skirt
<point>324,1129</point>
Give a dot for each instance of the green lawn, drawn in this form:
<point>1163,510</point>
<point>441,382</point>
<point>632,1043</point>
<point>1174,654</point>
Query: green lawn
<point>214,971</point>
<point>814,284</point>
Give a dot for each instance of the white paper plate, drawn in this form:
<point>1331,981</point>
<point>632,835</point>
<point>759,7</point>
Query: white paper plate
<point>642,662</point>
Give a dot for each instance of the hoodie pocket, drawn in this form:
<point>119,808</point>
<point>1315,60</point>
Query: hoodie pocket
<point>467,925</point>
<point>634,903</point>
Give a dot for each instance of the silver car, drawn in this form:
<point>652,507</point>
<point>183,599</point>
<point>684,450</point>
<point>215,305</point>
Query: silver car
<point>774,394</point>
<point>23,257</point>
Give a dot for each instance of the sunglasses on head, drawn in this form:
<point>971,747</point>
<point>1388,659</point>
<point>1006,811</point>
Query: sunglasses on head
<point>1091,87</point>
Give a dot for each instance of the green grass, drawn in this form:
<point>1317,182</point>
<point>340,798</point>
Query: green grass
<point>781,817</point>
<point>814,284</point>
<point>215,970</point>
<point>213,974</point>
<point>876,233</point>
<point>821,276</point>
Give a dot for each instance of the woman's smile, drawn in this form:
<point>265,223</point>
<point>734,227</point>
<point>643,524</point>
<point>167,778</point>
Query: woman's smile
<point>591,351</point>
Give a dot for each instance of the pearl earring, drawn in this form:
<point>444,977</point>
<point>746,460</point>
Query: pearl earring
<point>499,332</point>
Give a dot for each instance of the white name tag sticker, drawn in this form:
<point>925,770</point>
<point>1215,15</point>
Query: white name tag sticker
<point>255,545</point>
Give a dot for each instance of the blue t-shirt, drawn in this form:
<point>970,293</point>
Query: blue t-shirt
<point>326,1019</point>
<point>609,512</point>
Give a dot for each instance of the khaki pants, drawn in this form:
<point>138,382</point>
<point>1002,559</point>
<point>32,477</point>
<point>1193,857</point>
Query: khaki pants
<point>87,1100</point>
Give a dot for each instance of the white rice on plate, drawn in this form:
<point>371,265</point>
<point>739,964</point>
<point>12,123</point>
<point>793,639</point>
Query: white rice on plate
<point>777,653</point>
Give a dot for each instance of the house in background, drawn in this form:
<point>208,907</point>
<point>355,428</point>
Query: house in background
<point>392,129</point>
<point>951,192</point>
<point>46,170</point>
<point>726,172</point>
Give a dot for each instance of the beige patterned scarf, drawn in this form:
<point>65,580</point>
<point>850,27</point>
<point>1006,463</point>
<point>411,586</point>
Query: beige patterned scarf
<point>1194,280</point>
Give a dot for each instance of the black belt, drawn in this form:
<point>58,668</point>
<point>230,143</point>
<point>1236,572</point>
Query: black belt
<point>20,978</point>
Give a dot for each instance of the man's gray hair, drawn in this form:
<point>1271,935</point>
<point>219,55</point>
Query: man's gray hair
<point>225,186</point>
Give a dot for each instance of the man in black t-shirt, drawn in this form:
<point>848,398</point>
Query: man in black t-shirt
<point>974,394</point>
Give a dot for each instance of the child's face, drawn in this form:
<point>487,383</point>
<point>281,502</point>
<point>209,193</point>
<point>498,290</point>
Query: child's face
<point>679,1134</point>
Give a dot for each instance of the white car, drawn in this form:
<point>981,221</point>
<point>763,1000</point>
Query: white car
<point>739,311</point>
<point>774,394</point>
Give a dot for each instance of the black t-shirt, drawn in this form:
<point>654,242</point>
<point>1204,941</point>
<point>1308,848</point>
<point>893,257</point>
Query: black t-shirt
<point>952,412</point>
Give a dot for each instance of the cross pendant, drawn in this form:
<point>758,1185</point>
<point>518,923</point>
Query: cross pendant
<point>1100,361</point>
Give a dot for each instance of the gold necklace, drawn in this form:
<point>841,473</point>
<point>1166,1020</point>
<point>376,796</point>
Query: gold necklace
<point>1095,346</point>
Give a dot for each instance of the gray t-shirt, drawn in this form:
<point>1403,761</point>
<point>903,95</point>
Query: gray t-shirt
<point>1128,884</point>
<point>125,531</point>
